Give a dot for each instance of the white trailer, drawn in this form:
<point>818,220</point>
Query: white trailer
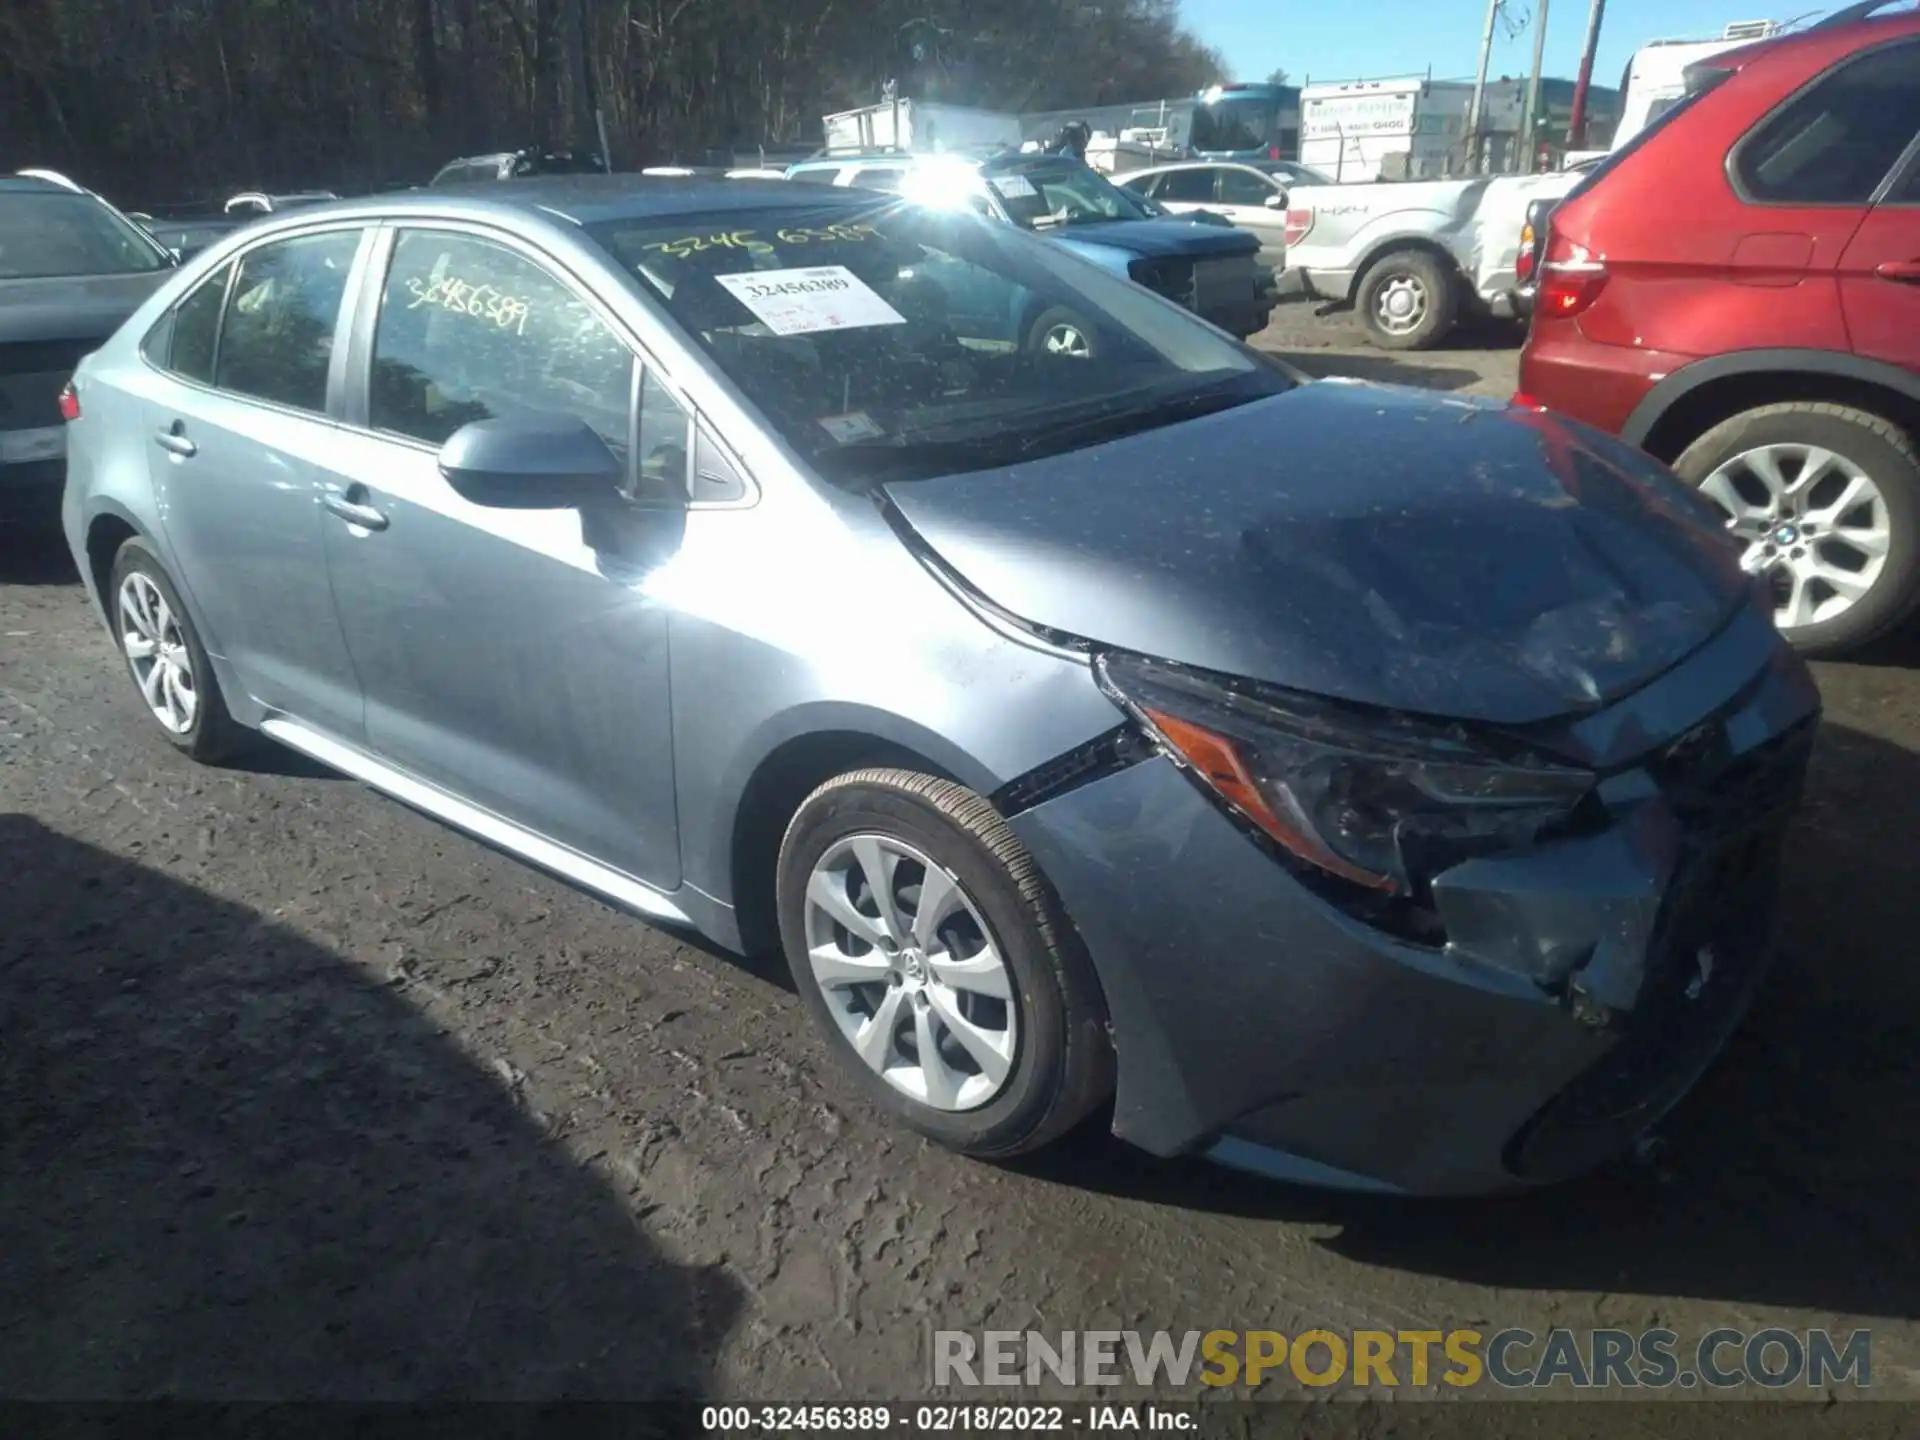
<point>1408,127</point>
<point>921,125</point>
<point>1656,78</point>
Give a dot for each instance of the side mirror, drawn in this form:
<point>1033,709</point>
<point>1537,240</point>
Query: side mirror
<point>536,462</point>
<point>1276,201</point>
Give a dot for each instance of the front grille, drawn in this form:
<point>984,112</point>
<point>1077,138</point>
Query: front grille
<point>1223,287</point>
<point>32,373</point>
<point>1709,947</point>
<point>1171,278</point>
<point>1714,791</point>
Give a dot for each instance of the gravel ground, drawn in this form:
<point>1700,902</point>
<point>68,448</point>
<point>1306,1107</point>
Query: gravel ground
<point>305,1095</point>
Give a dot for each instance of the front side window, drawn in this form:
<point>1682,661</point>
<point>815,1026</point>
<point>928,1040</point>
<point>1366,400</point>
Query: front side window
<point>276,338</point>
<point>1838,141</point>
<point>472,330</point>
<point>1186,187</point>
<point>890,340</point>
<point>1243,187</point>
<point>52,234</point>
<point>878,177</point>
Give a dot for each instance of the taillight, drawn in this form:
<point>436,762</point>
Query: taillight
<point>1273,152</point>
<point>1523,263</point>
<point>1299,222</point>
<point>1571,277</point>
<point>69,402</point>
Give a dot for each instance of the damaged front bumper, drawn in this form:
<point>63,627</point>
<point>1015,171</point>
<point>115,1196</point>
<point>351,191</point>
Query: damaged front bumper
<point>1584,985</point>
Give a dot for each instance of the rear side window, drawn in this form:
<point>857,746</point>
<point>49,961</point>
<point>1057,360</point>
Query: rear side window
<point>196,329</point>
<point>1836,142</point>
<point>878,177</point>
<point>817,176</point>
<point>470,330</point>
<point>276,338</point>
<point>1186,187</point>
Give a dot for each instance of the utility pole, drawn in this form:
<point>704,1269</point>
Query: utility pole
<point>1477,114</point>
<point>1577,122</point>
<point>1527,126</point>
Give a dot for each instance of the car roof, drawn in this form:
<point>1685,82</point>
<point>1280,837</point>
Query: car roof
<point>33,185</point>
<point>591,199</point>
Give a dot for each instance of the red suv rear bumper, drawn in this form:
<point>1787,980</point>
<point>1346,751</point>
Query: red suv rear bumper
<point>1600,384</point>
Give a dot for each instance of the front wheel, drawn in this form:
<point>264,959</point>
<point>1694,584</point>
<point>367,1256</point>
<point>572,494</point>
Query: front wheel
<point>1825,499</point>
<point>1064,333</point>
<point>936,958</point>
<point>1409,300</point>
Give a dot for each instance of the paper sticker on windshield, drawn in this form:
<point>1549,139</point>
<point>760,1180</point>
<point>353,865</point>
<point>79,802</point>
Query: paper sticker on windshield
<point>804,302</point>
<point>1014,187</point>
<point>854,425</point>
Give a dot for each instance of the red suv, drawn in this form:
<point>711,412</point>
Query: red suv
<point>1737,290</point>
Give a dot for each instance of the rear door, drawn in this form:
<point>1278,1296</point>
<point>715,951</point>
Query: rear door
<point>1880,272</point>
<point>1807,175</point>
<point>1185,190</point>
<point>237,436</point>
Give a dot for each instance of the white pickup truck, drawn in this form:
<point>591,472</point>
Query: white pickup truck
<point>1413,256</point>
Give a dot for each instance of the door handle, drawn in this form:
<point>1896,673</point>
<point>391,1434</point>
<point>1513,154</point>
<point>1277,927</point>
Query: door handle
<point>354,512</point>
<point>1906,272</point>
<point>174,440</point>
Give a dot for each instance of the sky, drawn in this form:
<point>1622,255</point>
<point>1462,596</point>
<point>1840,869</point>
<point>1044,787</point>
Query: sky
<point>1376,38</point>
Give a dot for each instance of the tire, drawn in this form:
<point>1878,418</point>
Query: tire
<point>210,733</point>
<point>1065,332</point>
<point>1432,288</point>
<point>1058,1060</point>
<point>1863,445</point>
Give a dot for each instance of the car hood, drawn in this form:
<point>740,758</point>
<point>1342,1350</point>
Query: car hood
<point>1385,546</point>
<point>1160,238</point>
<point>72,307</point>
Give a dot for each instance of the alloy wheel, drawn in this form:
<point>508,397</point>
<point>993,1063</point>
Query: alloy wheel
<point>1400,305</point>
<point>1065,339</point>
<point>157,651</point>
<point>910,972</point>
<point>1812,521</point>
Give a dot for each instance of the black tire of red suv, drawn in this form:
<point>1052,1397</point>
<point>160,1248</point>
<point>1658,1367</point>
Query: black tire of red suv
<point>1886,453</point>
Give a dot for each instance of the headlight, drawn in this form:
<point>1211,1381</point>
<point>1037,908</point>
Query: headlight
<point>1383,802</point>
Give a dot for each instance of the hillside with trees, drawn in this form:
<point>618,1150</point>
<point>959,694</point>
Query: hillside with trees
<point>168,100</point>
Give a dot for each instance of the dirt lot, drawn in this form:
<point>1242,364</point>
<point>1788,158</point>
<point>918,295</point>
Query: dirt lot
<point>305,1095</point>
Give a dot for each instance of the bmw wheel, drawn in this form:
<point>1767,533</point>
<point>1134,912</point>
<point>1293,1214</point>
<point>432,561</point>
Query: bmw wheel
<point>164,654</point>
<point>936,958</point>
<point>1825,499</point>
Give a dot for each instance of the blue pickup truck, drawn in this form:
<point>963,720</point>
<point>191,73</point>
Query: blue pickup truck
<point>1212,269</point>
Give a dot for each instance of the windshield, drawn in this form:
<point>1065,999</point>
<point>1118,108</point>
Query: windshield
<point>898,342</point>
<point>1042,194</point>
<point>47,235</point>
<point>1230,126</point>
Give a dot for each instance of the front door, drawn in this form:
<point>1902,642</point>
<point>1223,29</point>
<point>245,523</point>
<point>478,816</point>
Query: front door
<point>1244,199</point>
<point>235,429</point>
<point>509,656</point>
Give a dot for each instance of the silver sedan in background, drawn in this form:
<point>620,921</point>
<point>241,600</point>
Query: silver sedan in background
<point>1402,814</point>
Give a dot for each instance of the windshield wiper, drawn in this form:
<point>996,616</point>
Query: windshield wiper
<point>1113,422</point>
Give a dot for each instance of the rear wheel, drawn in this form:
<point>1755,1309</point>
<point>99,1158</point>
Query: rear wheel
<point>935,957</point>
<point>170,670</point>
<point>1409,300</point>
<point>1826,499</point>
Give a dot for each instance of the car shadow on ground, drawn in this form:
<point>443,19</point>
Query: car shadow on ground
<point>1789,1177</point>
<point>235,1166</point>
<point>34,552</point>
